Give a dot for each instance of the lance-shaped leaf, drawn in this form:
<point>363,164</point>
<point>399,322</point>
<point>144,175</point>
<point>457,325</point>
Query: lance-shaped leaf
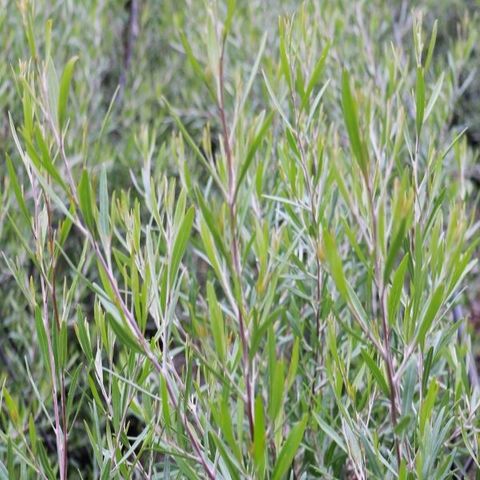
<point>350,115</point>
<point>259,438</point>
<point>64,89</point>
<point>216,322</point>
<point>181,242</point>
<point>335,264</point>
<point>86,199</point>
<point>289,449</point>
<point>376,372</point>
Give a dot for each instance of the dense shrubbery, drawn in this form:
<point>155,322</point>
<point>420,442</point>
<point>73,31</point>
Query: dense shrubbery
<point>247,261</point>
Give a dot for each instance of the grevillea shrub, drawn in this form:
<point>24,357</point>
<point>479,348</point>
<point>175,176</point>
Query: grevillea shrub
<point>248,261</point>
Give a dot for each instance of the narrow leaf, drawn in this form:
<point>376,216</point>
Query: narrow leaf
<point>181,242</point>
<point>350,116</point>
<point>64,89</point>
<point>289,449</point>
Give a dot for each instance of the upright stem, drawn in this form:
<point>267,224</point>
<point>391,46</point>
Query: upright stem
<point>394,412</point>
<point>153,359</point>
<point>60,433</point>
<point>53,294</point>
<point>161,370</point>
<point>314,218</point>
<point>231,200</point>
<point>58,409</point>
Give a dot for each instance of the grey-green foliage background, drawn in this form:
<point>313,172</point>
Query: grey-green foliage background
<point>329,393</point>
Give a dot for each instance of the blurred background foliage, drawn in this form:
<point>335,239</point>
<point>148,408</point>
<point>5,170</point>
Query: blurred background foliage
<point>98,32</point>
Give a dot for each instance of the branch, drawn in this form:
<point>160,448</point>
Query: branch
<point>131,33</point>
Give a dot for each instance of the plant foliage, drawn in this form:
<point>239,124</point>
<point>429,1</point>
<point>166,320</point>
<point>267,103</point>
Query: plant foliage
<point>244,261</point>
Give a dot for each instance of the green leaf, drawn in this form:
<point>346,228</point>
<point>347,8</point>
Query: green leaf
<point>300,82</point>
<point>42,337</point>
<point>12,406</point>
<point>231,6</point>
<point>62,344</point>
<point>395,293</point>
<point>331,432</point>
<point>85,199</point>
<point>427,365</point>
<point>289,449</point>
<point>29,34</point>
<point>72,390</point>
<point>103,202</point>
<point>210,248</point>
<point>64,89</point>
<point>284,63</point>
<point>259,438</point>
<point>45,462</point>
<point>393,250</point>
<point>45,160</point>
<point>419,100</point>
<point>335,264</point>
<point>83,336</point>
<point>316,74</point>
<point>119,326</point>
<point>277,389</point>
<point>350,116</point>
<point>32,433</point>
<point>431,46</point>
<point>430,313</point>
<point>434,96</point>
<point>197,68</point>
<point>253,73</point>
<point>403,424</point>
<point>427,405</point>
<point>229,459</point>
<point>181,242</point>
<point>227,428</point>
<point>402,472</point>
<point>292,369</point>
<point>276,102</point>
<point>191,142</point>
<point>52,90</point>
<point>376,372</point>
<point>216,323</point>
<point>165,403</point>
<point>16,189</point>
<point>253,148</point>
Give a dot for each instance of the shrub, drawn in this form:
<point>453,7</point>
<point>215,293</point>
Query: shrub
<point>271,293</point>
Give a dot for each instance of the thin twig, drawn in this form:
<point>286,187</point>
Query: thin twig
<point>60,432</point>
<point>53,294</point>
<point>120,303</point>
<point>131,34</point>
<point>235,241</point>
<point>393,388</point>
